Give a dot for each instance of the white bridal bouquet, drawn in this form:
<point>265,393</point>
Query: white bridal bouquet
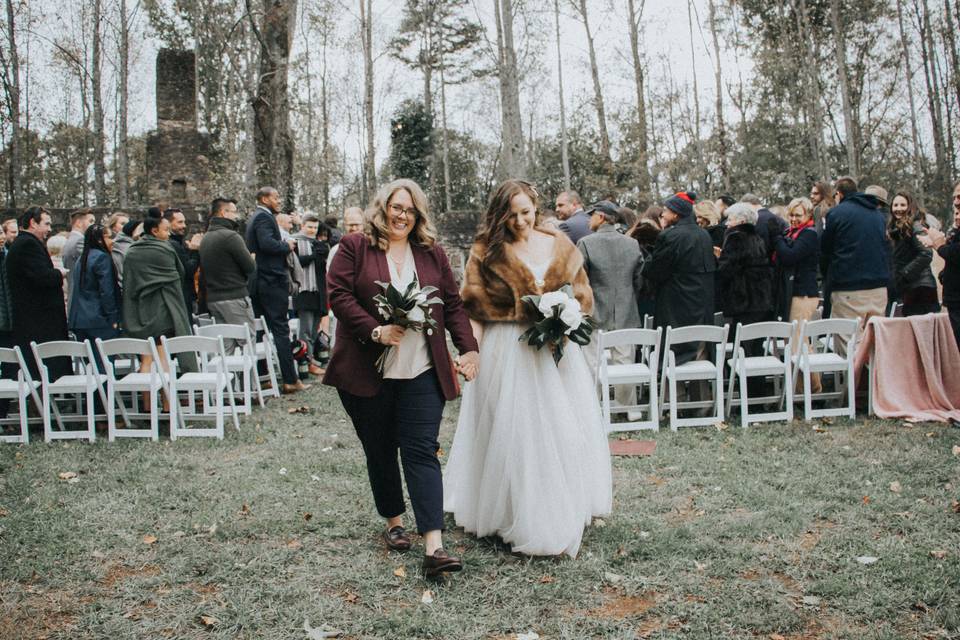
<point>559,319</point>
<point>410,309</point>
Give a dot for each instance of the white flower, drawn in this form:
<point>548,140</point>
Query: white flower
<point>572,303</point>
<point>571,317</point>
<point>421,298</point>
<point>549,300</point>
<point>416,315</point>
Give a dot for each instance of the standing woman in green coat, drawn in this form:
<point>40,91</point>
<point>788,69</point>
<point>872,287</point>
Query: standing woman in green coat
<point>153,303</point>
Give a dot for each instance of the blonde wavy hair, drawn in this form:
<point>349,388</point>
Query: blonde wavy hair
<point>424,232</point>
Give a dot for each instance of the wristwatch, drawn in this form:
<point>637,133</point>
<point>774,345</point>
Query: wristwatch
<point>375,334</point>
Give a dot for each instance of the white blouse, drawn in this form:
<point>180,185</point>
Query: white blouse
<point>412,356</point>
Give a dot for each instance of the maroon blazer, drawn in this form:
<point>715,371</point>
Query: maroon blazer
<point>351,286</point>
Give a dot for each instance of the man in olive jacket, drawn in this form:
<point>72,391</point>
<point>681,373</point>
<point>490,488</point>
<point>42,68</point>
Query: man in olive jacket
<point>682,269</point>
<point>226,265</point>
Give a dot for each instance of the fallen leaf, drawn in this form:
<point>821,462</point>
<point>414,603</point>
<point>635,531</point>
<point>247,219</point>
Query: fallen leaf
<point>931,434</point>
<point>67,475</point>
<point>530,635</point>
<point>818,429</point>
<point>776,636</point>
<point>320,633</point>
<point>4,513</point>
<point>955,504</point>
<point>546,579</point>
<point>700,565</point>
<point>307,516</point>
<point>294,544</point>
<point>599,522</point>
<point>283,471</point>
<point>920,606</point>
<point>259,440</point>
<point>441,452</point>
<point>208,621</point>
<point>644,534</point>
<point>244,511</point>
<point>325,449</point>
<point>303,409</point>
<point>866,499</point>
<point>400,572</point>
<point>867,559</point>
<point>956,450</point>
<point>812,601</point>
<point>612,578</point>
<point>351,597</point>
<point>317,478</point>
<point>427,597</point>
<point>939,554</point>
<point>148,539</point>
<point>895,487</point>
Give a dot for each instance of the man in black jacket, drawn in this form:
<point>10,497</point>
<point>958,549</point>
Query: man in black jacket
<point>855,256</point>
<point>186,251</point>
<point>36,292</point>
<point>271,283</point>
<point>948,247</point>
<point>682,269</point>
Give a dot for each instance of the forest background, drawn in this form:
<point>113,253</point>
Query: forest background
<point>631,99</point>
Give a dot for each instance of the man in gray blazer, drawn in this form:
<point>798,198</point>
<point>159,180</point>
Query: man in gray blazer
<point>612,262</point>
<point>80,220</point>
<point>575,221</point>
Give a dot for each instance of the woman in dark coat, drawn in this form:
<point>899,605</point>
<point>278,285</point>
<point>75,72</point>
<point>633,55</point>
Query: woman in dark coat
<point>95,299</point>
<point>36,292</point>
<point>912,277</point>
<point>743,270</point>
<point>645,231</point>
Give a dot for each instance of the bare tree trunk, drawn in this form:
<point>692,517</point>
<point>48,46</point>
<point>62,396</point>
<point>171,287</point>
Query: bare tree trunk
<point>718,78</point>
<point>597,91</point>
<point>325,114</point>
<point>951,38</point>
<point>514,163</point>
<point>123,157</point>
<point>272,139</point>
<point>701,161</point>
<point>811,91</point>
<point>564,151</point>
<point>99,163</point>
<point>915,136</point>
<point>643,151</point>
<point>447,196</point>
<point>928,56</point>
<point>849,125</point>
<point>366,37</point>
<point>14,184</point>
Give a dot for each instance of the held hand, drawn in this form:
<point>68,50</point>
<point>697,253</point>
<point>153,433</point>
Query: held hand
<point>468,365</point>
<point>391,334</point>
<point>194,243</point>
<point>292,244</point>
<point>933,238</point>
<point>716,252</point>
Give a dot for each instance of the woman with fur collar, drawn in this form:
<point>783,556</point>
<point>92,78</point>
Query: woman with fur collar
<point>530,462</point>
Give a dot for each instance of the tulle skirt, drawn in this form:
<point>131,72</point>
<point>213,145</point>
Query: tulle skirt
<point>530,460</point>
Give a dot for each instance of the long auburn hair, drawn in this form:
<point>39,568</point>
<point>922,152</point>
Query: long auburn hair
<point>903,227</point>
<point>493,230</point>
<point>93,238</point>
<point>424,232</point>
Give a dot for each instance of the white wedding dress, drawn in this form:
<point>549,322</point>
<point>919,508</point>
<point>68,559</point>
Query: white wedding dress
<point>530,460</point>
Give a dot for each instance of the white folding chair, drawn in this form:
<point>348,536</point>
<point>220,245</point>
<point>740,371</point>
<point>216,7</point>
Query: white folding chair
<point>19,389</point>
<point>119,382</point>
<point>775,362</point>
<point>647,343</point>
<point>896,310</point>
<point>695,370</point>
<point>205,320</point>
<point>244,362</point>
<point>81,385</point>
<point>817,354</point>
<point>211,382</point>
<point>265,350</point>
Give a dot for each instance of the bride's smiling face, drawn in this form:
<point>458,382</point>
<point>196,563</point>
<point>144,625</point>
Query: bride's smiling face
<point>523,216</point>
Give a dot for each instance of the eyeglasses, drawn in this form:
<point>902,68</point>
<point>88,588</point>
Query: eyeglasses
<point>397,210</point>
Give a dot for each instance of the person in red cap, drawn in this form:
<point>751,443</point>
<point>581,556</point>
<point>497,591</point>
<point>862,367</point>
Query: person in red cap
<point>682,268</point>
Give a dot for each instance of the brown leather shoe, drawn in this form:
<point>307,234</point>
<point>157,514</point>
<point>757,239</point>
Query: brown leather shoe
<point>293,388</point>
<point>440,562</point>
<point>397,538</point>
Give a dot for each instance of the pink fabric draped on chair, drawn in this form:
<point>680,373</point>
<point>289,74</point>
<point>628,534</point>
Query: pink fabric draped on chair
<point>916,367</point>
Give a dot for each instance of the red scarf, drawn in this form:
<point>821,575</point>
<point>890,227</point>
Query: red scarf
<point>793,232</point>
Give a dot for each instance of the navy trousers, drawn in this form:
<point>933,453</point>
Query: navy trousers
<point>271,302</point>
<point>405,417</point>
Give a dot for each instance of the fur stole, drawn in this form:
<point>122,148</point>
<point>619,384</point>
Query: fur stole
<point>493,294</point>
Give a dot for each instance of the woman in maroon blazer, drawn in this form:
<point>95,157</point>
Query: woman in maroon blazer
<point>401,408</point>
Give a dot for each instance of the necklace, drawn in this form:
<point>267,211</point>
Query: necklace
<point>398,263</point>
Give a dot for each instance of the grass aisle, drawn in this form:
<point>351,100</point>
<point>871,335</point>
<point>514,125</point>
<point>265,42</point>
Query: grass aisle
<point>721,534</point>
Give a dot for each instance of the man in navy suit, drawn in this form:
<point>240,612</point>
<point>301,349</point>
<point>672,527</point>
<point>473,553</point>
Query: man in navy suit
<point>271,283</point>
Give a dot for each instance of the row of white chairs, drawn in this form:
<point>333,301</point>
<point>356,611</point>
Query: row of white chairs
<point>778,361</point>
<point>207,391</point>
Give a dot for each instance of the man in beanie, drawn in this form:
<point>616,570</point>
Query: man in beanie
<point>682,269</point>
<point>612,262</point>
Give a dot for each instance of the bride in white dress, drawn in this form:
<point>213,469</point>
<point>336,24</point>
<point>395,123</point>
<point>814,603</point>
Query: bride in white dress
<point>530,460</point>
